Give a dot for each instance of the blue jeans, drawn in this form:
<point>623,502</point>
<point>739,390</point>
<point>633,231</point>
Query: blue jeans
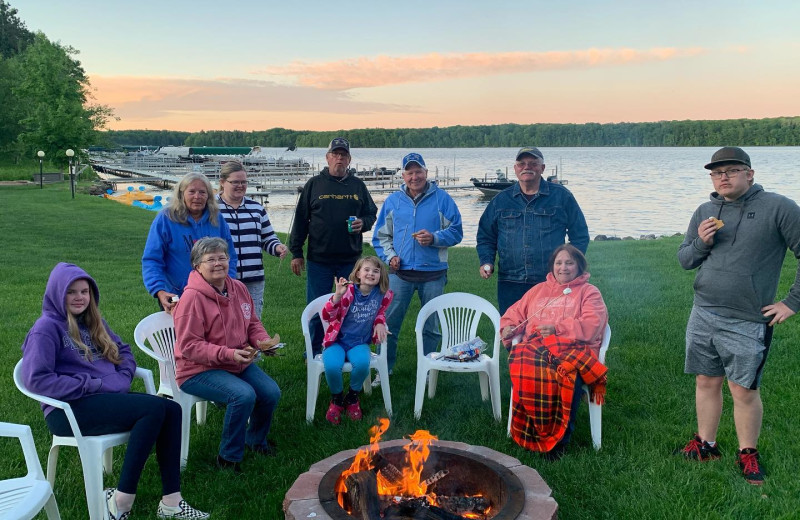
<point>577,396</point>
<point>509,293</point>
<point>333,357</point>
<point>319,281</point>
<point>256,290</point>
<point>250,395</point>
<point>396,313</point>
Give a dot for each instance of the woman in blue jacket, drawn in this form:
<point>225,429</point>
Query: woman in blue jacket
<point>192,214</point>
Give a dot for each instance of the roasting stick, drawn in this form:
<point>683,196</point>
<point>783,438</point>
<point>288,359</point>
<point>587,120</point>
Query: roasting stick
<point>566,292</point>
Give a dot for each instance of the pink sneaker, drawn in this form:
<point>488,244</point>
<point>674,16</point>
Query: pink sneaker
<point>354,411</point>
<point>334,413</point>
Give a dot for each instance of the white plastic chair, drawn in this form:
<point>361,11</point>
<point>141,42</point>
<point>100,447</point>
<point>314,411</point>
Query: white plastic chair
<point>595,410</point>
<point>95,450</point>
<point>316,368</point>
<point>159,331</point>
<point>23,498</point>
<point>459,315</point>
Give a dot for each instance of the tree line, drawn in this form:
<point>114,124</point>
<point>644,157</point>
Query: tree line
<point>46,97</point>
<point>778,131</point>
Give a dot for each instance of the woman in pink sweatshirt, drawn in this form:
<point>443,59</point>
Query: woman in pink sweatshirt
<point>216,329</point>
<point>560,324</point>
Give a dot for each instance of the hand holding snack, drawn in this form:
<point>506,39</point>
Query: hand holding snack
<point>270,346</point>
<point>423,237</point>
<point>717,222</point>
<point>244,355</point>
<point>707,229</point>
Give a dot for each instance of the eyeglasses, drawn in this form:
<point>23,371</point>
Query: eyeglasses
<point>337,153</point>
<point>730,173</point>
<point>528,164</point>
<point>215,261</point>
<point>238,183</point>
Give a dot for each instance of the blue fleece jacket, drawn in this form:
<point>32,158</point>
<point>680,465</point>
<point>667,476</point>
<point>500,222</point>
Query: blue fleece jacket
<point>399,217</point>
<point>165,261</point>
<point>53,366</point>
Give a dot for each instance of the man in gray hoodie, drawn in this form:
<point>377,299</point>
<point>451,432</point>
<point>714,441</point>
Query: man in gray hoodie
<point>738,240</point>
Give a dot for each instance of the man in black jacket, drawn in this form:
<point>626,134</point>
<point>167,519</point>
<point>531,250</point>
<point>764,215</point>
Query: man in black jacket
<point>323,214</point>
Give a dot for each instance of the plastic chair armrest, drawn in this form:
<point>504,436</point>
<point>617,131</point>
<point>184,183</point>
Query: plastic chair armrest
<point>147,376</point>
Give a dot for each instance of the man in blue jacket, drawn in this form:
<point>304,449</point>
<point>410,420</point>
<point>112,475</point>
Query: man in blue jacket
<point>415,227</point>
<point>523,224</point>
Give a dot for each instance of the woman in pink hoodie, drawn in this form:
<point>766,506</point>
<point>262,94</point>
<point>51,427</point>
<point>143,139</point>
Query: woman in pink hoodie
<point>216,329</point>
<point>560,323</point>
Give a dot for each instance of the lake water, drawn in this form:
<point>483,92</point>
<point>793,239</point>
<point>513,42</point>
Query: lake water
<point>622,191</point>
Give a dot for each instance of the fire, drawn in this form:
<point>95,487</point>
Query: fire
<point>411,484</point>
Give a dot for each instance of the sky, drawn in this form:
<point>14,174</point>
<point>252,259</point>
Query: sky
<point>313,65</point>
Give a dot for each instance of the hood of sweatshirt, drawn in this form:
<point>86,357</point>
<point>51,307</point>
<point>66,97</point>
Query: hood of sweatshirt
<point>54,302</point>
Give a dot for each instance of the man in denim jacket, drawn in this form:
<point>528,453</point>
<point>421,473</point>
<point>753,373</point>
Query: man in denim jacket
<point>523,224</point>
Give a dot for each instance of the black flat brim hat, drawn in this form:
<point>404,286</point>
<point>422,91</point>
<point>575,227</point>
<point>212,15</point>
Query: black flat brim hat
<point>728,154</point>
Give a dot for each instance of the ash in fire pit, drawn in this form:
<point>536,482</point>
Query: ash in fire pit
<point>419,481</point>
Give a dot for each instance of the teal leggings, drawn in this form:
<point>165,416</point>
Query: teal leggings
<point>333,358</point>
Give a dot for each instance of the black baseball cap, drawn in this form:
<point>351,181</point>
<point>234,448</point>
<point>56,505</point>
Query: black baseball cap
<point>728,154</point>
<point>530,150</point>
<point>339,143</point>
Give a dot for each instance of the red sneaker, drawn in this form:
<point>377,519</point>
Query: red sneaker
<point>334,413</point>
<point>751,466</point>
<point>354,411</point>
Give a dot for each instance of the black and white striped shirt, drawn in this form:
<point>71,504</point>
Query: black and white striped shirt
<point>251,232</point>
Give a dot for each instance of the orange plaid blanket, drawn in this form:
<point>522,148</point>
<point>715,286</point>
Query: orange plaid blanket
<point>543,372</point>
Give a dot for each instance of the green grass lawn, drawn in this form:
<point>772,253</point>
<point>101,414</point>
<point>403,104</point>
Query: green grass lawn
<point>23,171</point>
<point>649,410</point>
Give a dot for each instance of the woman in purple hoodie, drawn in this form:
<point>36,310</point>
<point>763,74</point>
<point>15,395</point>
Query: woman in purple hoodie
<point>72,355</point>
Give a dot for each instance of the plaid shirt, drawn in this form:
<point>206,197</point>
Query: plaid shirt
<point>543,372</point>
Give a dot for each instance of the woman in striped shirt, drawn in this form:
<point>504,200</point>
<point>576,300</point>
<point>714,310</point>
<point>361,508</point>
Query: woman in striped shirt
<point>250,229</point>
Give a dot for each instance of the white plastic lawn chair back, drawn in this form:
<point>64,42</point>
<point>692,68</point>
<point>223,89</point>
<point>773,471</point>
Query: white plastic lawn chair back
<point>315,367</point>
<point>158,330</point>
<point>595,410</point>
<point>95,450</point>
<point>459,316</point>
<point>23,498</point>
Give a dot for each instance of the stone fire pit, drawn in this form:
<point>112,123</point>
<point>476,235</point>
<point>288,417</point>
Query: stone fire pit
<point>302,501</point>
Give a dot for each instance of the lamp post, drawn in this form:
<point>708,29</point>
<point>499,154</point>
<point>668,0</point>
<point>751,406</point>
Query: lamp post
<point>70,153</point>
<point>41,158</point>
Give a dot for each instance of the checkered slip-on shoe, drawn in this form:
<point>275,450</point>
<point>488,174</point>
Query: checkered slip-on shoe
<point>183,510</point>
<point>111,504</point>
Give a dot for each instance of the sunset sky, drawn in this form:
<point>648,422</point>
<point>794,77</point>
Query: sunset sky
<point>312,65</point>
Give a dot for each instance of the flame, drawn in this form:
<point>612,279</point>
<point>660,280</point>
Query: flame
<point>411,485</point>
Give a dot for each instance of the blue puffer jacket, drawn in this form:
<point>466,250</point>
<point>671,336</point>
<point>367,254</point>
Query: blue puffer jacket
<point>400,217</point>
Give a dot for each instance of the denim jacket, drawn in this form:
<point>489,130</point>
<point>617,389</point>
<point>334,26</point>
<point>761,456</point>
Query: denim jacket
<point>524,233</point>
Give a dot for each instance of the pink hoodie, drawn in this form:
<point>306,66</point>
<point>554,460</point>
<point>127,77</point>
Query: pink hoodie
<point>210,326</point>
<point>580,315</point>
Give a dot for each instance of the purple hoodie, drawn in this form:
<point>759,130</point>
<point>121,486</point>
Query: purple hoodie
<point>53,366</point>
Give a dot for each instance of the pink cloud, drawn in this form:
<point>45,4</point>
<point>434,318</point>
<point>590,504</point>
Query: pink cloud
<point>392,70</point>
<point>154,97</point>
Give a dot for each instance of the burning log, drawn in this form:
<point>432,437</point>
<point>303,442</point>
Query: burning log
<point>387,470</point>
<point>439,475</point>
<point>362,491</point>
<point>417,509</point>
<point>462,505</point>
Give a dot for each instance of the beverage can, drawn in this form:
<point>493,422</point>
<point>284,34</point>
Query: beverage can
<point>350,221</point>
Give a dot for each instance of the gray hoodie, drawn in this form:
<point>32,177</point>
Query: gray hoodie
<point>739,273</point>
